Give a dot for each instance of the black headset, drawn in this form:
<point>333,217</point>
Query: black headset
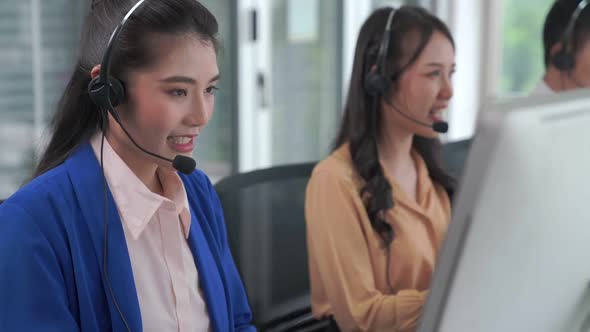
<point>106,91</point>
<point>377,80</point>
<point>565,59</point>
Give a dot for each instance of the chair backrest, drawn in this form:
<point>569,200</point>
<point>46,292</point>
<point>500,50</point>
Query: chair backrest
<point>264,215</point>
<point>454,155</point>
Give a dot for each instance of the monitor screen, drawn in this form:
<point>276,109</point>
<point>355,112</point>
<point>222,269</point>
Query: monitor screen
<point>517,253</point>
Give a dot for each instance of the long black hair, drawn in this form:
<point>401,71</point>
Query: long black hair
<point>360,122</point>
<point>77,118</point>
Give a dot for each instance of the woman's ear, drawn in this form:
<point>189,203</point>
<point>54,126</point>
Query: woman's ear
<point>95,71</point>
<point>556,48</point>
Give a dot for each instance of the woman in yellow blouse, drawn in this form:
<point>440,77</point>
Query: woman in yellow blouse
<point>378,207</point>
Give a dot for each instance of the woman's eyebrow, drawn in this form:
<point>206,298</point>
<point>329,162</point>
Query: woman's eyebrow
<point>178,79</point>
<point>186,79</point>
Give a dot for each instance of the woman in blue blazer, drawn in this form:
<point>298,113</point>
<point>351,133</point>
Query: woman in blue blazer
<point>70,259</point>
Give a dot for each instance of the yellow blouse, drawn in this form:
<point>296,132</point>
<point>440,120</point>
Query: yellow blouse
<point>347,260</point>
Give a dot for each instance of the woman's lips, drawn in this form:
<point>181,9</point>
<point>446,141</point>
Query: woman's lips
<point>182,144</point>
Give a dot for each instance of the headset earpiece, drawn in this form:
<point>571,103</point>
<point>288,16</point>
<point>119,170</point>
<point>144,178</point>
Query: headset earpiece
<point>103,94</point>
<point>376,84</point>
<point>564,60</point>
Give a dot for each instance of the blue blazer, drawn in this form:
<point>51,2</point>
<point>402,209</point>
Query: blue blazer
<point>51,255</point>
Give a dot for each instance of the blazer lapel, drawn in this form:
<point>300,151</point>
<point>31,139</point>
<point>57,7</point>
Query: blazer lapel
<point>86,176</point>
<point>210,278</point>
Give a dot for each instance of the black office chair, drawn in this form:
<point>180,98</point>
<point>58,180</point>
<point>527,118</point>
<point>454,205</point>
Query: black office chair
<point>264,215</point>
<point>454,155</point>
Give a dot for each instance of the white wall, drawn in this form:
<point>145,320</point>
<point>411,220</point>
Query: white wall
<point>475,27</point>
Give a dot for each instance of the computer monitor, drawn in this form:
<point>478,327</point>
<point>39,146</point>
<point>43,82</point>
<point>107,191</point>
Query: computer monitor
<point>517,252</point>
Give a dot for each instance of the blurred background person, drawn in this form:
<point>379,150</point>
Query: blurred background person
<point>378,207</point>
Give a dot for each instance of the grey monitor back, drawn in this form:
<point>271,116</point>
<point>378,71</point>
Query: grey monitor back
<point>517,253</point>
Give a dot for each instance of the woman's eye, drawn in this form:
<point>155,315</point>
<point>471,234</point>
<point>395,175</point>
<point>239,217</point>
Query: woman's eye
<point>212,90</point>
<point>178,92</point>
<point>434,73</point>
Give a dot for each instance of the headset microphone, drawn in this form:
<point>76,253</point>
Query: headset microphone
<point>438,126</point>
<point>183,164</point>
